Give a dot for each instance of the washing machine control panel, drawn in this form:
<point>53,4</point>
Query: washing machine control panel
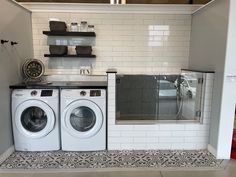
<point>46,93</point>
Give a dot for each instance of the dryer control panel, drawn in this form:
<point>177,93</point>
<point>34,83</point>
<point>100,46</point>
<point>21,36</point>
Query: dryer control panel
<point>94,93</point>
<point>91,93</point>
<point>83,93</point>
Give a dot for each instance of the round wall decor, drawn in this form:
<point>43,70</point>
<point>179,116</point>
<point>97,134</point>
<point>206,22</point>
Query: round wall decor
<point>33,69</point>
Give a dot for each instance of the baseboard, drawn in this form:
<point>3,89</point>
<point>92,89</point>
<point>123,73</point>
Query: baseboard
<point>6,154</point>
<point>212,150</point>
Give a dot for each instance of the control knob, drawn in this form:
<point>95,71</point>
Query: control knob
<point>34,93</point>
<point>82,93</point>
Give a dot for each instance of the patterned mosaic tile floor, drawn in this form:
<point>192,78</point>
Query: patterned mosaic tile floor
<point>111,159</point>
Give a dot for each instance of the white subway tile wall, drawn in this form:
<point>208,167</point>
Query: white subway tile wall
<point>181,136</point>
<point>132,43</point>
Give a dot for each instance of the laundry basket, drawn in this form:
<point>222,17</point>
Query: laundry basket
<point>233,150</point>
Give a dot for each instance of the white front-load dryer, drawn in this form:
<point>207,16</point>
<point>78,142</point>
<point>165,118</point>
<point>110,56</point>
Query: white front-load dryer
<point>83,119</point>
<point>35,119</point>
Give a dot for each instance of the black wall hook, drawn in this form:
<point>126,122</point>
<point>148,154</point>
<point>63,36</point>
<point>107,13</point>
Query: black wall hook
<point>3,41</point>
<point>14,43</point>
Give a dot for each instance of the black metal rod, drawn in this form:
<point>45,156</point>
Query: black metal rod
<point>14,43</point>
<point>3,41</point>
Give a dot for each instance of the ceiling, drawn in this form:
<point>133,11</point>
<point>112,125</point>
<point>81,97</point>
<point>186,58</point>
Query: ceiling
<point>127,1</point>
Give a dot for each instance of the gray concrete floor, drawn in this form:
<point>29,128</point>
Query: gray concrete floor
<point>229,171</point>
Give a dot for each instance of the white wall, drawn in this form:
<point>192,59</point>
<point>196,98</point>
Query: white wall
<point>213,48</point>
<point>15,26</point>
<point>230,68</point>
<point>132,43</point>
<point>229,87</point>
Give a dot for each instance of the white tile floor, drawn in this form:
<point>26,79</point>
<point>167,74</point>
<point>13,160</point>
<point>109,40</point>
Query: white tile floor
<point>156,159</point>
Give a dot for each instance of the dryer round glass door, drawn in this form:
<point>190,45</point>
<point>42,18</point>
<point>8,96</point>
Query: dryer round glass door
<point>82,119</point>
<point>34,119</point>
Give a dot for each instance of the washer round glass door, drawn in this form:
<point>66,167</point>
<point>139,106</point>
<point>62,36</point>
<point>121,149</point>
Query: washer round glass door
<point>83,119</point>
<point>34,118</point>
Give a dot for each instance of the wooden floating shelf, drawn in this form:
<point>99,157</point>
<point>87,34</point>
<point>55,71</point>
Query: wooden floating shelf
<point>69,33</point>
<point>70,56</point>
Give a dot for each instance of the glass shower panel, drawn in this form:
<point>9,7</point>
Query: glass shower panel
<point>136,97</point>
<point>190,89</point>
<point>168,103</point>
<point>159,97</point>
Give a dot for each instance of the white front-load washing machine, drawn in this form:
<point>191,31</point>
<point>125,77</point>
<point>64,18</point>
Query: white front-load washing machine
<point>83,119</point>
<point>35,119</point>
